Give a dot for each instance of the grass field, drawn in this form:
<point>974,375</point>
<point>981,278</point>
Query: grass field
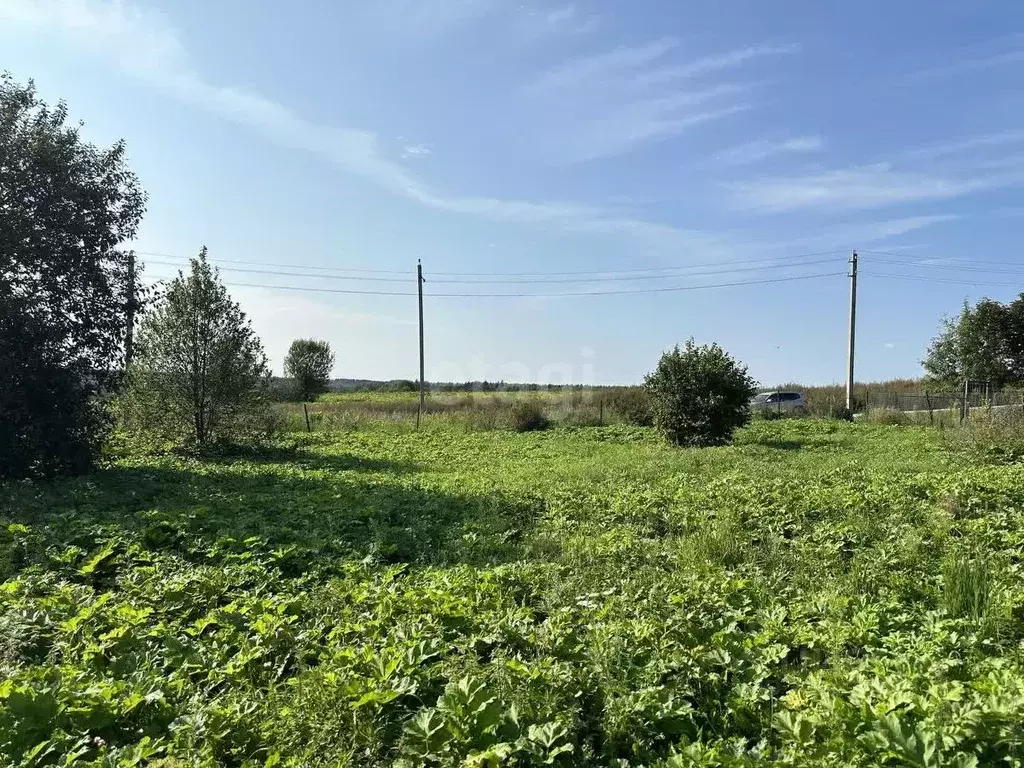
<point>819,593</point>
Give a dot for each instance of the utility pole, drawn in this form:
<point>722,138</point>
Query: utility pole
<point>129,331</point>
<point>419,286</point>
<point>853,331</point>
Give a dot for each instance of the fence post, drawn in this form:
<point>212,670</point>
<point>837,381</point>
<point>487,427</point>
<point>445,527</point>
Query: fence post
<point>963,405</point>
<point>600,411</point>
<point>931,413</point>
<point>305,411</point>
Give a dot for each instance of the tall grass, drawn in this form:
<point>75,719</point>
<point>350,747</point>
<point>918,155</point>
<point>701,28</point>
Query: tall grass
<point>989,436</point>
<point>474,410</point>
<point>887,417</point>
<point>966,586</point>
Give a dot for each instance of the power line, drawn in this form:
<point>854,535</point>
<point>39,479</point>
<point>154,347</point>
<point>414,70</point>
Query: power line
<point>964,261</point>
<point>923,279</point>
<point>536,295</point>
<point>268,264</point>
<point>643,269</point>
<point>953,267</point>
<point>289,273</point>
<point>517,280</point>
<point>796,260</point>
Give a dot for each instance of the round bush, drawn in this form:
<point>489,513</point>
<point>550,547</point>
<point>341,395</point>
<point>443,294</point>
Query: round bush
<point>528,416</point>
<point>699,395</point>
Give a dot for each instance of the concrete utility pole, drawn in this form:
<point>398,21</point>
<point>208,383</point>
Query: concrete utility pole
<point>419,286</point>
<point>853,331</point>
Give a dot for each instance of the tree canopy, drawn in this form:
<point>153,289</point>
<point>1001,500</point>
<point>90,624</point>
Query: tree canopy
<point>984,342</point>
<point>309,363</point>
<point>199,374</point>
<point>65,207</point>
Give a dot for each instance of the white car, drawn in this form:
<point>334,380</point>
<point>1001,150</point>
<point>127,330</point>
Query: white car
<point>782,402</point>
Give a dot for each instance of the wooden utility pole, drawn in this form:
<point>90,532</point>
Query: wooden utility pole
<point>419,286</point>
<point>129,331</point>
<point>853,331</point>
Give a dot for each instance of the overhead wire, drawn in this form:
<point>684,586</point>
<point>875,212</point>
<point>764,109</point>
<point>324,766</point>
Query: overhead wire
<point>926,279</point>
<point>782,260</point>
<point>953,267</point>
<point>536,295</point>
<point>269,264</point>
<point>516,280</point>
<point>903,255</point>
<point>792,259</point>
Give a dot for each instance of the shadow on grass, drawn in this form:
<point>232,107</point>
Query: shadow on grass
<point>209,510</point>
<point>781,445</point>
<point>775,443</point>
<point>303,457</point>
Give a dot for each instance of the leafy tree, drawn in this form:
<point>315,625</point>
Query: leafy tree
<point>699,395</point>
<point>309,363</point>
<point>65,206</point>
<point>984,342</point>
<point>199,374</point>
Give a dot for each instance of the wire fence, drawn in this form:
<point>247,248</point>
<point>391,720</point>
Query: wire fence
<point>973,397</point>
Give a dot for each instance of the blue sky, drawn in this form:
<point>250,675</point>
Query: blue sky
<point>500,136</point>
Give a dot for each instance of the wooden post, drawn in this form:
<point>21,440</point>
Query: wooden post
<point>305,411</point>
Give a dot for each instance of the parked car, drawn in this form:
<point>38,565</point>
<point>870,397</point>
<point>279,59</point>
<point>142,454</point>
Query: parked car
<point>781,402</point>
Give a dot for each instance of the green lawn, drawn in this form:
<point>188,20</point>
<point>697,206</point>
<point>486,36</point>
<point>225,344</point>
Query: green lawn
<point>819,593</point>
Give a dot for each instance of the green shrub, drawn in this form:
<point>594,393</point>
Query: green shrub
<point>699,395</point>
<point>528,416</point>
<point>887,417</point>
<point>828,407</point>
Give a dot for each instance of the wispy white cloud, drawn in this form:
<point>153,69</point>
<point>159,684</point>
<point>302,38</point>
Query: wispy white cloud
<point>755,151</point>
<point>968,144</point>
<point>408,22</point>
<point>416,150</point>
<point>643,121</point>
<point>542,22</point>
<point>606,103</point>
<point>714,63</point>
<point>144,44</point>
<point>859,234</point>
<point>587,70</point>
<point>967,66</point>
<point>860,187</point>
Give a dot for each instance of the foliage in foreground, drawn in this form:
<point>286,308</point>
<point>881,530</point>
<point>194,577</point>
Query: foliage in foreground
<point>817,594</point>
<point>65,206</point>
<point>200,374</point>
<point>699,395</point>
